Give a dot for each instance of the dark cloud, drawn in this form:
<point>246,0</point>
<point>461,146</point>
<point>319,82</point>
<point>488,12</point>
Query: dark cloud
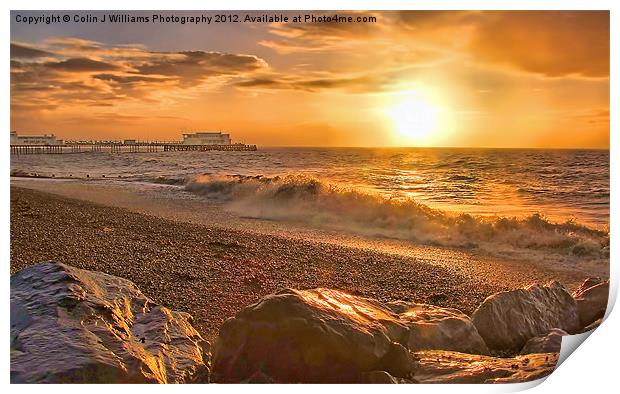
<point>129,79</point>
<point>261,83</point>
<point>25,52</point>
<point>93,74</point>
<point>197,66</point>
<point>369,83</point>
<point>81,65</point>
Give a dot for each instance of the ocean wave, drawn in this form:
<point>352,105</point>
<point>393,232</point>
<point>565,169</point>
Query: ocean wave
<point>309,200</point>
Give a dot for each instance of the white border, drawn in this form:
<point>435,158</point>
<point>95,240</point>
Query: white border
<point>593,367</point>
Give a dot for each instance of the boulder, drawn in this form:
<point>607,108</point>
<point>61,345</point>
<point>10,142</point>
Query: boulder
<point>381,377</point>
<point>592,326</point>
<point>550,343</point>
<point>318,335</point>
<point>70,325</point>
<point>435,328</point>
<point>507,320</point>
<point>591,298</point>
<point>438,366</point>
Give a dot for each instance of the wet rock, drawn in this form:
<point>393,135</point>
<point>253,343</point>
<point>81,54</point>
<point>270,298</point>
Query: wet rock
<point>550,343</point>
<point>318,335</point>
<point>592,326</point>
<point>507,320</point>
<point>432,366</point>
<point>591,298</point>
<point>435,328</point>
<point>76,326</point>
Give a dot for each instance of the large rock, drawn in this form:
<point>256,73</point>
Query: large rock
<point>549,343</point>
<point>592,326</point>
<point>507,320</point>
<point>453,367</point>
<point>73,325</point>
<point>324,335</point>
<point>591,298</point>
<point>317,335</point>
<point>435,328</point>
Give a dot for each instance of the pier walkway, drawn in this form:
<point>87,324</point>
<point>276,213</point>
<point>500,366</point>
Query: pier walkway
<point>123,147</point>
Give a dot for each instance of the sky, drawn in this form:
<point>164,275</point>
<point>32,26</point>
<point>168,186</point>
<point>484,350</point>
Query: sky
<point>411,78</point>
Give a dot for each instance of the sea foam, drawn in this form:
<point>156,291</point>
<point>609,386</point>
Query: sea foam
<point>309,200</point>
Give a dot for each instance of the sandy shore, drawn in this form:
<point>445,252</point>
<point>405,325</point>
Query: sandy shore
<point>212,272</point>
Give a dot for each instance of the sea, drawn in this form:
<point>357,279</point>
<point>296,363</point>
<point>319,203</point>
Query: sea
<point>559,184</point>
<point>524,198</point>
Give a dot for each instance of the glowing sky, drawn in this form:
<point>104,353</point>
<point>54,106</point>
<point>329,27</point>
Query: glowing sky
<point>415,78</point>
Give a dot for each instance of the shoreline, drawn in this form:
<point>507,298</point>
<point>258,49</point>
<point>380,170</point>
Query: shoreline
<point>19,176</point>
<point>212,272</point>
<point>174,203</point>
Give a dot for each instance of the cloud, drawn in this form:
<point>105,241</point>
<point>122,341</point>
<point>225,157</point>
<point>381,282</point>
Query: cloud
<point>81,65</point>
<point>70,71</point>
<point>196,66</point>
<point>130,79</point>
<point>551,43</point>
<point>370,82</point>
<point>324,36</point>
<point>354,58</point>
<point>25,52</point>
<point>548,43</point>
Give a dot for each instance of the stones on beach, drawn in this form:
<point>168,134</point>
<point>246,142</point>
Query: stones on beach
<point>324,335</point>
<point>435,328</point>
<point>73,325</point>
<point>507,320</point>
<point>453,367</point>
<point>76,326</point>
<point>591,298</point>
<point>549,343</point>
<point>318,335</point>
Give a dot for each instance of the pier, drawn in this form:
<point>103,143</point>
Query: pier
<point>124,147</point>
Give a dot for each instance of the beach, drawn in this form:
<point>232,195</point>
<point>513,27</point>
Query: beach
<point>212,269</point>
<point>392,197</point>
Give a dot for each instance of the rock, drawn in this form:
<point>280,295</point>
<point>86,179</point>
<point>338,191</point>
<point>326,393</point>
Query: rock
<point>435,328</point>
<point>507,320</point>
<point>592,326</point>
<point>432,366</point>
<point>318,335</point>
<point>75,326</point>
<point>591,298</point>
<point>550,343</point>
<point>587,283</point>
<point>381,377</point>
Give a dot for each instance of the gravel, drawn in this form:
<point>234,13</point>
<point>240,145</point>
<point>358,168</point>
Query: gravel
<point>212,272</point>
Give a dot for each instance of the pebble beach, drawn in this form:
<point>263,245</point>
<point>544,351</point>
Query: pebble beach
<point>212,272</point>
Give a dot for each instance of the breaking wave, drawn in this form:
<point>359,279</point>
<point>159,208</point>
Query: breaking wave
<point>309,200</point>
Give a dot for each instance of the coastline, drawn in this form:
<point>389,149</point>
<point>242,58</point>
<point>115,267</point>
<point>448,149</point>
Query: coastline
<point>211,271</point>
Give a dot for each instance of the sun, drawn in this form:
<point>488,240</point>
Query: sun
<point>415,118</point>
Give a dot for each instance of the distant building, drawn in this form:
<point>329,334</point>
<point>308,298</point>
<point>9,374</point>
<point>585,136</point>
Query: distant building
<point>129,142</point>
<point>206,138</point>
<point>45,139</point>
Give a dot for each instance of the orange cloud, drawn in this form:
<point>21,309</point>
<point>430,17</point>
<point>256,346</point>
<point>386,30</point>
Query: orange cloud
<point>552,43</point>
<point>535,76</point>
<point>68,71</point>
